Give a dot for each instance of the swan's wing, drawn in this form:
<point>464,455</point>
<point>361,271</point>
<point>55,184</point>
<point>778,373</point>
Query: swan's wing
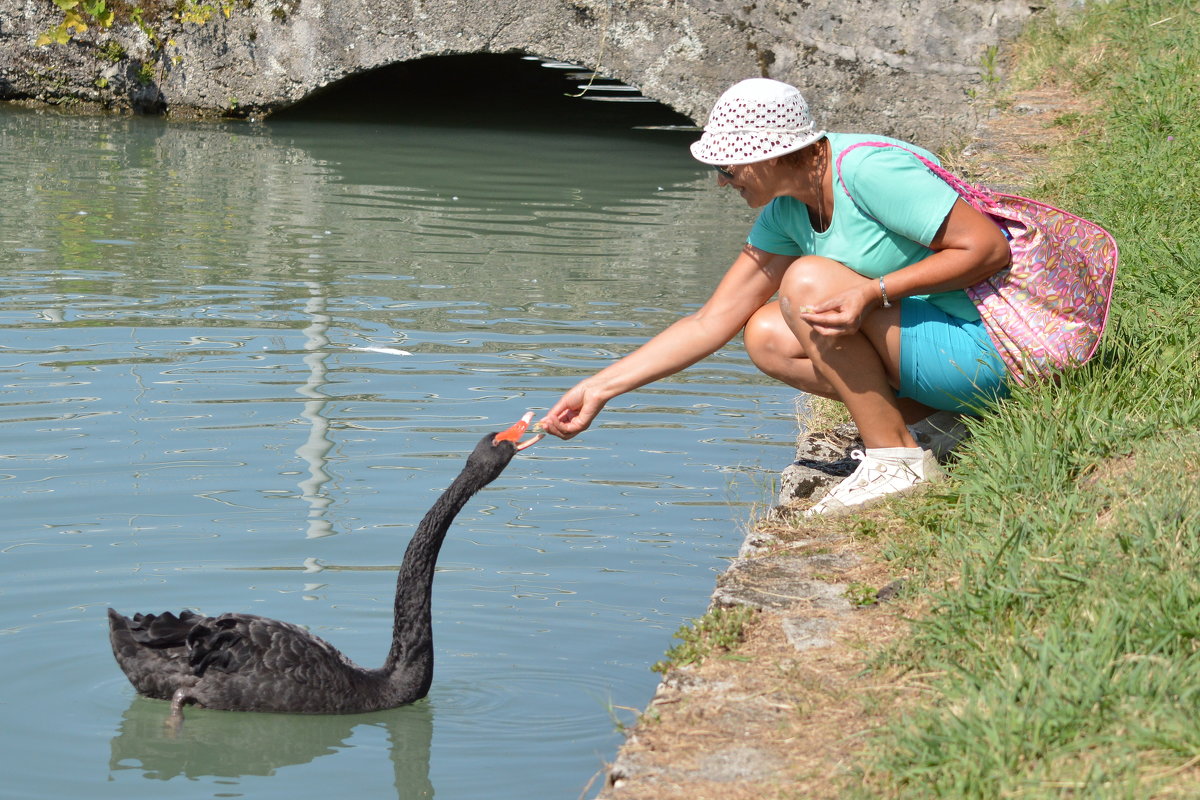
<point>243,643</point>
<point>251,663</point>
<point>238,661</point>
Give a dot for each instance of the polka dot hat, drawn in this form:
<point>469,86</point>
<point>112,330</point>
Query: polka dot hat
<point>754,120</point>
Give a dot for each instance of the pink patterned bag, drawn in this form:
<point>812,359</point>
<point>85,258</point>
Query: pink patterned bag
<point>1046,312</point>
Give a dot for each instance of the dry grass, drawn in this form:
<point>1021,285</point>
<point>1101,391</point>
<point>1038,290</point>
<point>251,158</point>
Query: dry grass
<point>803,713</point>
<point>797,719</point>
<point>819,413</point>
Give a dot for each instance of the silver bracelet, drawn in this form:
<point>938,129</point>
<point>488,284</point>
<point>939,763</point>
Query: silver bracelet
<point>883,292</point>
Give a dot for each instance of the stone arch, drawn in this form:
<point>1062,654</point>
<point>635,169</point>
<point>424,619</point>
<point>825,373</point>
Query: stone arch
<point>891,66</point>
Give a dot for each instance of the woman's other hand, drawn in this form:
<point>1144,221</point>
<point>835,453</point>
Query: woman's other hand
<point>843,313</point>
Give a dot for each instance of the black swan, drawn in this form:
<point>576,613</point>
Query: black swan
<point>242,662</point>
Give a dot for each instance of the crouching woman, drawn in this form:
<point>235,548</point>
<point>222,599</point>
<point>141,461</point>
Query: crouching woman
<point>850,286</point>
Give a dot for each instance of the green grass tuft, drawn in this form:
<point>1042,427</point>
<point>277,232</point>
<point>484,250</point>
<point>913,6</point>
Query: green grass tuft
<point>718,631</point>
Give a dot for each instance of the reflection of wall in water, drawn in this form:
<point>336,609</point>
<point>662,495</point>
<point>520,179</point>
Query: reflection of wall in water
<point>506,218</point>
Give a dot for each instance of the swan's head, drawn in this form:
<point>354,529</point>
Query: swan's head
<point>497,449</point>
<point>515,433</point>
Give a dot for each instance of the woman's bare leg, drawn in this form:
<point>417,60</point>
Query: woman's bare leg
<point>861,368</point>
<point>777,352</point>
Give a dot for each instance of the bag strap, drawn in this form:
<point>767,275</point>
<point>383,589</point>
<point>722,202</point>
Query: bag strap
<point>975,195</point>
<point>982,199</point>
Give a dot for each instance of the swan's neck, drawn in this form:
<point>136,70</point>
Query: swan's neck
<point>410,659</point>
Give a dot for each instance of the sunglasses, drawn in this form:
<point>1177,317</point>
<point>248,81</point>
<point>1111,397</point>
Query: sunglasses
<point>723,172</point>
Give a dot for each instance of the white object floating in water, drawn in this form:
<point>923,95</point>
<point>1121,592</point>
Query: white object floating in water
<point>391,351</point>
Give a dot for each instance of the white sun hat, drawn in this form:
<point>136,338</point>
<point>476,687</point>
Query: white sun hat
<point>756,119</point>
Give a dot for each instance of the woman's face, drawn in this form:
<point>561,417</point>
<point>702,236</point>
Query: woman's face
<point>752,181</point>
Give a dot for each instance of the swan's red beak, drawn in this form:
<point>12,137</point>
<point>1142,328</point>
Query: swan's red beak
<point>515,433</point>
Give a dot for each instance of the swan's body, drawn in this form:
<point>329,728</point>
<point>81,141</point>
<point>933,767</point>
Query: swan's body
<point>243,662</point>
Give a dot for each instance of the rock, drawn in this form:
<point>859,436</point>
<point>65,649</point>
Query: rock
<point>726,765</point>
<point>889,592</point>
<point>738,763</point>
<point>822,460</point>
<point>785,581</point>
<point>804,480</point>
<point>805,633</point>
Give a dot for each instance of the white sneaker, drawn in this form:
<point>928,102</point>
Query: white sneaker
<point>882,471</point>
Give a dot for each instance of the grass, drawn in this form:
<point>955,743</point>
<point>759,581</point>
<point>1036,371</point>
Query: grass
<point>815,413</point>
<point>1062,563</point>
<point>717,632</point>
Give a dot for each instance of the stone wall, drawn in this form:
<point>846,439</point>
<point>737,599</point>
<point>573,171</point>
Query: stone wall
<point>892,66</point>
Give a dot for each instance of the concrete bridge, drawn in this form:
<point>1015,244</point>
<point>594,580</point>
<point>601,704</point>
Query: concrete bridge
<point>902,67</point>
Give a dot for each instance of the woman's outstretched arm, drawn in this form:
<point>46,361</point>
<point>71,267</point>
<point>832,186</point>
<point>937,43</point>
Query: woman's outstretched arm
<point>747,285</point>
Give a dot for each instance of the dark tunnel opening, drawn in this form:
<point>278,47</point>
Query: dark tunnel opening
<point>510,90</point>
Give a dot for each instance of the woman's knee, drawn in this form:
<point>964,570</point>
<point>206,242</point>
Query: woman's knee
<point>767,335</point>
<point>771,344</point>
<point>812,278</point>
<point>777,352</point>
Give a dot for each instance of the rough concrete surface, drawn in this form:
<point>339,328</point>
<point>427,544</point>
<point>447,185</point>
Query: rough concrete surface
<point>892,66</point>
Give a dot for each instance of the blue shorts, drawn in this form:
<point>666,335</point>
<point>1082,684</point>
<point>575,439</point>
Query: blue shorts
<point>947,363</point>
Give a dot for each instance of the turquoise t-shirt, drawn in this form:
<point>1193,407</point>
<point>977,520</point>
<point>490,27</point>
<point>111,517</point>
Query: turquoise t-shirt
<point>898,207</point>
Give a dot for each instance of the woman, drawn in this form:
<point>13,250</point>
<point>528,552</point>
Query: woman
<point>868,254</point>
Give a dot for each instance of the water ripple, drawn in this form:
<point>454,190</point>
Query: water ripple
<point>526,703</point>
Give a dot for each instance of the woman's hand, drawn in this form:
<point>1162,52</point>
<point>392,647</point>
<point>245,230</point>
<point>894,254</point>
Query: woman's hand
<point>574,411</point>
<point>843,313</point>
<point>967,248</point>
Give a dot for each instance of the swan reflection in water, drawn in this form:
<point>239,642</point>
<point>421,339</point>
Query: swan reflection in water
<point>221,745</point>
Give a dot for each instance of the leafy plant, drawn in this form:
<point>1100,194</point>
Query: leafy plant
<point>80,15</point>
<point>991,65</point>
<point>112,51</point>
<point>862,594</point>
<point>76,17</point>
<point>200,13</point>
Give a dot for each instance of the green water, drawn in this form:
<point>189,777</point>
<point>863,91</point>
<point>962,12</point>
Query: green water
<point>186,423</point>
